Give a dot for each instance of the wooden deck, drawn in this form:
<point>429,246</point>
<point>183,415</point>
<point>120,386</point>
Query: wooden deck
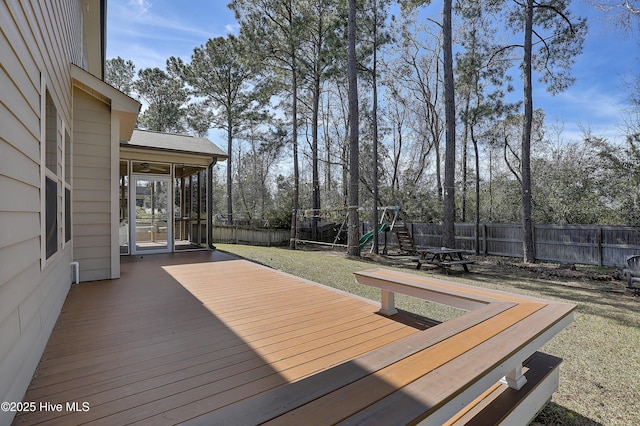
<point>206,339</point>
<point>182,335</point>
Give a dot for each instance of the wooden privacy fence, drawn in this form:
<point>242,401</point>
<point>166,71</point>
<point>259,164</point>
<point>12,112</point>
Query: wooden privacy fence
<point>245,235</point>
<point>584,244</point>
<point>589,245</point>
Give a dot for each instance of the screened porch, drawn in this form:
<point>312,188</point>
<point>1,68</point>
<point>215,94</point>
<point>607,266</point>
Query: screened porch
<point>164,192</point>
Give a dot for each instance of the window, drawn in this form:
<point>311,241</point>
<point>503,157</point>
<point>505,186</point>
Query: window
<point>67,214</point>
<point>55,169</point>
<point>67,158</point>
<point>51,137</point>
<point>51,176</point>
<point>67,187</point>
<point>51,204</point>
<point>124,207</point>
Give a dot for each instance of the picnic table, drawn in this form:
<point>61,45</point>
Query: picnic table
<point>444,257</point>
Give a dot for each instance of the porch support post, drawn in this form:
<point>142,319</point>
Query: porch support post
<point>210,204</point>
<point>183,202</point>
<point>199,208</point>
<point>388,307</point>
<point>515,379</point>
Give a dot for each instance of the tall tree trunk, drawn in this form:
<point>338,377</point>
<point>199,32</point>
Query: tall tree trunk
<point>527,225</point>
<point>296,170</point>
<point>435,131</point>
<point>448,230</point>
<point>345,173</point>
<point>436,145</point>
<point>374,83</point>
<point>327,140</point>
<point>476,154</point>
<point>395,181</point>
<point>465,143</point>
<point>317,76</point>
<point>353,235</point>
<point>315,196</point>
<point>229,174</point>
<point>477,164</point>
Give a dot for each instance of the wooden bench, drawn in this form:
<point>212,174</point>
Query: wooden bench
<point>480,368</point>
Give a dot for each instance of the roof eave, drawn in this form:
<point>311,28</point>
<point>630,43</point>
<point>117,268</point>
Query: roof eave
<point>122,106</point>
<point>218,157</point>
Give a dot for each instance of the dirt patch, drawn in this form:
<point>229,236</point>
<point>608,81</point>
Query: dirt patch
<point>569,271</point>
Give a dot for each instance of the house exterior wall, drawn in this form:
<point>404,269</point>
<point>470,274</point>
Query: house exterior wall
<point>92,213</point>
<point>38,42</point>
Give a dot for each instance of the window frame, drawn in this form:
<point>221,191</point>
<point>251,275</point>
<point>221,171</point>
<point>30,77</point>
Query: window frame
<point>67,189</point>
<point>47,254</point>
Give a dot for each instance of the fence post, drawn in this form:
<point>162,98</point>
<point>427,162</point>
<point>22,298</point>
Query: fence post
<point>533,238</point>
<point>485,245</point>
<point>599,241</point>
<point>413,234</point>
<point>235,234</point>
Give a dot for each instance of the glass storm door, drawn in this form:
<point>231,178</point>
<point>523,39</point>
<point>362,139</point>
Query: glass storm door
<point>151,214</point>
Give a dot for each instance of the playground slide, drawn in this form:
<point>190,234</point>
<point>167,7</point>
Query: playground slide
<point>366,238</point>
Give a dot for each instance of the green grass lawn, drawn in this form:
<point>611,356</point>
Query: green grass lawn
<point>600,375</point>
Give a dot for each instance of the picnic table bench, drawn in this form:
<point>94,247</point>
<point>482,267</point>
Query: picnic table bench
<point>443,257</point>
<point>480,368</point>
<point>633,270</point>
<point>632,274</point>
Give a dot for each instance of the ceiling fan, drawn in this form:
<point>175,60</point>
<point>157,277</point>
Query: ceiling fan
<point>146,167</point>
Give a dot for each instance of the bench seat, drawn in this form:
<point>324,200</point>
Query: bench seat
<point>457,262</point>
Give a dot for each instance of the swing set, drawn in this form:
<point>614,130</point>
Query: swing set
<point>390,218</point>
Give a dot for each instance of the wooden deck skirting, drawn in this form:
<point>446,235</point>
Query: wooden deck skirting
<point>203,338</point>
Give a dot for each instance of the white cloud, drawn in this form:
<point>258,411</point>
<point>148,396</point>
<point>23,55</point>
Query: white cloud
<point>599,109</point>
<point>143,6</point>
<point>232,28</point>
<point>149,32</point>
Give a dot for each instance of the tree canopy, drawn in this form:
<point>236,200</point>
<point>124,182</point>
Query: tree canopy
<point>322,109</point>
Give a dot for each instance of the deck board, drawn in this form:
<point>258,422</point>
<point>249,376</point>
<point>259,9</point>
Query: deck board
<point>184,334</point>
<point>340,404</point>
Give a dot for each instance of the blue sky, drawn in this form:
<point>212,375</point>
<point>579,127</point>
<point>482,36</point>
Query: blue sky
<point>148,32</point>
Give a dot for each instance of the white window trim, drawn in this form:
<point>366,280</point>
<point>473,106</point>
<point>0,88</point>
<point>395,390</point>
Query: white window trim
<point>58,178</point>
<point>66,185</point>
<point>43,172</point>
